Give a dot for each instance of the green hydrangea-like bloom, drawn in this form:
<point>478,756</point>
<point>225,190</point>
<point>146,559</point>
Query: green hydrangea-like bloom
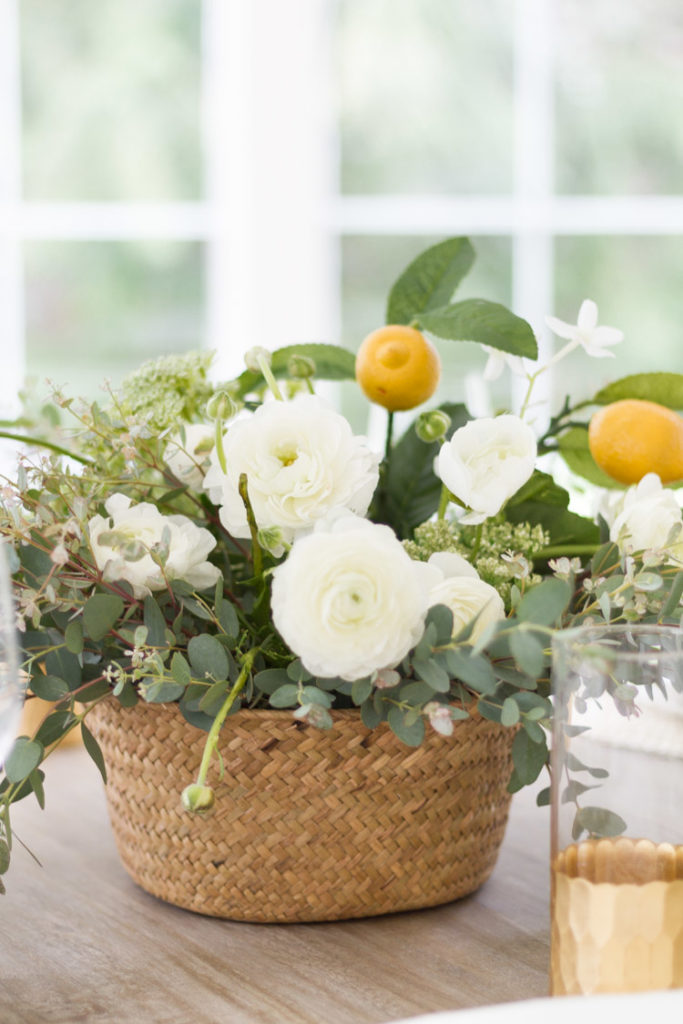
<point>167,390</point>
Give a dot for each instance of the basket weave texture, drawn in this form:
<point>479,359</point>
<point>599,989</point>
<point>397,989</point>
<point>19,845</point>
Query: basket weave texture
<point>308,825</point>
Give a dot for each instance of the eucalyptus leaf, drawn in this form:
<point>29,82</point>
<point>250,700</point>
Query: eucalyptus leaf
<point>208,657</point>
<point>528,652</point>
<point>180,670</point>
<point>528,757</point>
<point>94,749</point>
<point>411,734</point>
<point>73,637</point>
<point>544,603</point>
<point>50,688</point>
<point>432,674</point>
<point>24,756</point>
<point>155,622</point>
<point>100,613</point>
<point>360,691</point>
<point>285,696</point>
<point>598,822</point>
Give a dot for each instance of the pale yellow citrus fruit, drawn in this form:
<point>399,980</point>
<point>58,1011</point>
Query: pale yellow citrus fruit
<point>397,367</point>
<point>630,438</point>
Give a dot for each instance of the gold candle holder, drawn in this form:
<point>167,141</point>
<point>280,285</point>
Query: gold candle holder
<point>617,776</point>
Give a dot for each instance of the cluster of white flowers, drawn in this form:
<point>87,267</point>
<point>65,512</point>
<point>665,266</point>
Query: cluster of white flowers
<point>649,519</point>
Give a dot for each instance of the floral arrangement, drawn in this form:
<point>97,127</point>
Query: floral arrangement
<point>235,545</point>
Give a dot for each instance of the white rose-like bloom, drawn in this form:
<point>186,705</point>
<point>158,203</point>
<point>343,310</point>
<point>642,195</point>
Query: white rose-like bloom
<point>302,461</point>
<point>143,523</point>
<point>486,462</point>
<point>187,459</point>
<point>650,520</point>
<point>349,600</point>
<point>467,596</point>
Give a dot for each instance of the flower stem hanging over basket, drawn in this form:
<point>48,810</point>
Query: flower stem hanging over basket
<point>313,673</point>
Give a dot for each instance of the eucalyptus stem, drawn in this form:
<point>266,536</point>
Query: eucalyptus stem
<point>38,442</point>
<point>256,553</point>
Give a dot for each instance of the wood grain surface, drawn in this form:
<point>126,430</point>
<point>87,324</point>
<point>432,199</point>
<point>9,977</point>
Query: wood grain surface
<point>79,942</point>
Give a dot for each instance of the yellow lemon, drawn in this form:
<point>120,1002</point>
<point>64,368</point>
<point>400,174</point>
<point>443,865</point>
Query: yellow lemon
<point>630,438</point>
<point>397,367</point>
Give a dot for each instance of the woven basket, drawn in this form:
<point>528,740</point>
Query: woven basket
<point>307,825</point>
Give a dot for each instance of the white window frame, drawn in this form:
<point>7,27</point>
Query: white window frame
<point>271,225</point>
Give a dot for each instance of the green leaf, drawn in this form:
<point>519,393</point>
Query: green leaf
<point>93,748</point>
<point>528,757</point>
<point>24,756</point>
<point>227,616</point>
<point>573,447</point>
<point>473,670</point>
<point>527,652</point>
<point>543,797</point>
<point>575,765</point>
<point>270,680</point>
<point>73,637</point>
<point>416,693</point>
<point>673,600</point>
<point>442,617</point>
<point>605,560</point>
<point>156,623</point>
<point>213,699</point>
<point>100,612</point>
<point>297,673</point>
<point>49,687</point>
<point>208,657</point>
<point>432,674</point>
<point>544,603</point>
<point>430,280</point>
<point>161,691</point>
<point>509,713</point>
<point>312,695</point>
<point>4,856</point>
<point>540,500</point>
<point>597,821</point>
<point>180,670</point>
<point>410,492</point>
<point>486,322</point>
<point>332,362</point>
<point>411,734</point>
<point>285,696</point>
<point>370,715</point>
<point>64,665</point>
<point>664,388</point>
<point>360,691</point>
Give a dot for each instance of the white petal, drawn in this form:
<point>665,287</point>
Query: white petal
<point>560,327</point>
<point>452,564</point>
<point>588,316</point>
<point>495,365</point>
<point>607,336</point>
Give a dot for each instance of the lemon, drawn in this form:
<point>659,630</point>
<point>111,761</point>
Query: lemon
<point>397,367</point>
<point>630,438</point>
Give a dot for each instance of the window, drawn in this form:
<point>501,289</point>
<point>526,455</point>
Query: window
<point>222,173</point>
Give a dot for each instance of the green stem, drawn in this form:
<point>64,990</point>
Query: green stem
<point>212,738</point>
<point>256,553</point>
<point>567,549</point>
<point>40,443</point>
<point>477,541</point>
<point>443,502</point>
<point>270,378</point>
<point>389,438</point>
<point>220,450</point>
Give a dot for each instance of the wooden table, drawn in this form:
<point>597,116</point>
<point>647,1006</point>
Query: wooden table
<point>80,942</point>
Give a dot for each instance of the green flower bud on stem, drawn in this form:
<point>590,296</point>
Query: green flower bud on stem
<point>432,426</point>
<point>197,799</point>
<point>301,367</point>
<point>221,406</point>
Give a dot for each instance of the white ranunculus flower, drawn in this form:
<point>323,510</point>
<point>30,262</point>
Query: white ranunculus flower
<point>188,457</point>
<point>119,544</point>
<point>349,600</point>
<point>650,520</point>
<point>486,462</point>
<point>301,460</point>
<point>467,596</point>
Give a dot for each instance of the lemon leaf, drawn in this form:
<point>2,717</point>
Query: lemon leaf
<point>332,362</point>
<point>573,447</point>
<point>430,280</point>
<point>663,388</point>
<point>486,322</point>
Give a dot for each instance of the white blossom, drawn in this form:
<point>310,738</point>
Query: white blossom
<point>122,544</point>
<point>301,460</point>
<point>187,454</point>
<point>498,360</point>
<point>468,598</point>
<point>349,600</point>
<point>650,520</point>
<point>486,462</point>
<point>594,339</point>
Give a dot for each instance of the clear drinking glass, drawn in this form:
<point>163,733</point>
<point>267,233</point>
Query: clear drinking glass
<point>11,683</point>
<point>617,810</point>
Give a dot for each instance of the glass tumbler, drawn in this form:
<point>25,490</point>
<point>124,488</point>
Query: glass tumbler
<point>617,810</point>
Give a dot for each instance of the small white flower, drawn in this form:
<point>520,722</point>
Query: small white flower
<point>136,529</point>
<point>468,598</point>
<point>486,462</point>
<point>650,520</point>
<point>386,679</point>
<point>188,457</point>
<point>301,460</point>
<point>498,360</point>
<point>595,340</point>
<point>59,555</point>
<point>349,600</point>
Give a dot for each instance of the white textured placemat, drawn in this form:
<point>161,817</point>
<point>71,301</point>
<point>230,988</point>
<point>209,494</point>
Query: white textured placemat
<point>664,1006</point>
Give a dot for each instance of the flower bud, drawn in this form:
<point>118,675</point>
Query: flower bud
<point>270,539</point>
<point>197,799</point>
<point>301,367</point>
<point>253,358</point>
<point>432,426</point>
<point>221,406</point>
